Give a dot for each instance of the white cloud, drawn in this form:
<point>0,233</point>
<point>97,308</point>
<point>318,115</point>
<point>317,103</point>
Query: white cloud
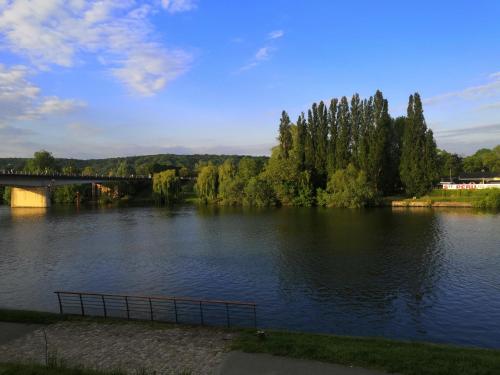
<point>262,54</point>
<point>21,99</point>
<point>489,89</point>
<point>61,33</point>
<point>276,34</point>
<point>177,6</point>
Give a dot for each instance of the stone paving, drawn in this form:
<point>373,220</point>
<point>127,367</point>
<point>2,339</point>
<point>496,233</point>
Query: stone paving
<point>129,347</point>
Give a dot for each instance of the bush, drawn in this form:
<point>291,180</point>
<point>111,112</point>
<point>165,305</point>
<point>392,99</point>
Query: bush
<point>347,188</point>
<point>490,199</point>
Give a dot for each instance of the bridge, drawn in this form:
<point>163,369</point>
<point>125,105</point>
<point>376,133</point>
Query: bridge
<point>33,190</point>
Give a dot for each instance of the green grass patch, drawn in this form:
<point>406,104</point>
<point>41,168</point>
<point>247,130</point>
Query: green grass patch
<point>406,358</point>
<point>32,317</point>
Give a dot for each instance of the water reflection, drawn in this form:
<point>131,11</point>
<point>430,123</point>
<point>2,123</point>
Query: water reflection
<point>406,273</point>
<point>34,213</point>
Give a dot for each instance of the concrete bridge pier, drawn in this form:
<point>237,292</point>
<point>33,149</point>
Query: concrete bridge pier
<point>30,197</point>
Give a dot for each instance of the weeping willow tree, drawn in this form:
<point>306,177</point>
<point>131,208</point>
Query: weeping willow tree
<point>166,186</point>
<point>207,183</point>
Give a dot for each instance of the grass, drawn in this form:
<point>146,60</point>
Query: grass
<point>405,358</point>
<point>32,317</point>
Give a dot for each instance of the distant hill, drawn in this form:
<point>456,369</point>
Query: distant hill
<point>137,163</point>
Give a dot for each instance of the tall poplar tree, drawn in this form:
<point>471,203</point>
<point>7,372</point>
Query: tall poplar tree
<point>285,135</point>
<point>310,153</point>
<point>355,128</point>
<point>333,133</point>
<point>321,142</point>
<point>301,141</point>
<point>342,146</point>
<point>418,155</point>
<point>379,155</point>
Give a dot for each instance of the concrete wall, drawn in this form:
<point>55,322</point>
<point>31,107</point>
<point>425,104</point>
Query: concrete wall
<point>30,197</point>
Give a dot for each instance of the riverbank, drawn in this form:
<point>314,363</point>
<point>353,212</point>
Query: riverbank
<point>143,346</point>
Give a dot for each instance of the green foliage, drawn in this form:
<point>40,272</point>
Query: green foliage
<point>124,169</point>
<point>6,194</point>
<point>166,186</point>
<point>347,188</point>
<point>285,136</point>
<point>68,194</point>
<point>258,192</point>
<point>230,186</point>
<point>484,160</point>
<point>207,183</point>
<point>42,162</point>
<point>450,165</point>
<point>490,199</point>
<point>418,168</point>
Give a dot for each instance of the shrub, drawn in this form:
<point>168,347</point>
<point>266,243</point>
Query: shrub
<point>347,188</point>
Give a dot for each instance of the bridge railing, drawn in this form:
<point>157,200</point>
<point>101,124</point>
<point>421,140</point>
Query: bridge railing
<point>162,309</point>
<point>78,176</point>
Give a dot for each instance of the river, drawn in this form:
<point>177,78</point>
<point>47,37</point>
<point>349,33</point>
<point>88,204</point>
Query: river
<point>418,274</point>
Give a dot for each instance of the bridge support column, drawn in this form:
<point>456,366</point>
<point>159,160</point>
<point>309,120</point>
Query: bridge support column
<point>30,197</point>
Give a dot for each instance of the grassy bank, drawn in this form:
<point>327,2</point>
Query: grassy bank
<point>31,317</point>
<point>485,198</point>
<point>406,358</point>
<point>387,355</point>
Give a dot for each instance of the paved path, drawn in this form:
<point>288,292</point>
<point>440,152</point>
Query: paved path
<point>12,331</point>
<point>134,347</point>
<point>238,363</point>
<point>131,347</point>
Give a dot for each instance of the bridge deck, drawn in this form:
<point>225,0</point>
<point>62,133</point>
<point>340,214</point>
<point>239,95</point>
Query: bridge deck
<point>45,180</point>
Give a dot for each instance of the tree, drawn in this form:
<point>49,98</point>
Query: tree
<point>379,165</point>
<point>347,188</point>
<point>285,136</point>
<point>321,142</point>
<point>166,186</point>
<point>207,183</point>
<point>300,145</point>
<point>342,146</point>
<point>258,192</point>
<point>333,133</point>
<point>230,189</point>
<point>450,165</point>
<point>418,168</point>
<point>355,128</point>
<point>42,162</point>
<point>124,169</point>
<point>248,168</point>
<point>88,171</point>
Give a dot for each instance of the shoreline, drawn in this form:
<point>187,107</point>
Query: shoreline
<point>375,353</point>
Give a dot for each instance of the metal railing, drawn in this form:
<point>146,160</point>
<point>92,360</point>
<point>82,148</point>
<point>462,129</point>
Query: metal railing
<point>162,309</point>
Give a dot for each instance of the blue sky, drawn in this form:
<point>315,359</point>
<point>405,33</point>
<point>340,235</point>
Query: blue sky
<point>125,77</point>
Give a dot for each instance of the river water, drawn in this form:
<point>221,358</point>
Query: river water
<point>420,274</point>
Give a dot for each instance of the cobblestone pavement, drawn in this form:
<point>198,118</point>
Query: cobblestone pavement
<point>129,347</point>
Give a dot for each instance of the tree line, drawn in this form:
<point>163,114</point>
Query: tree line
<point>347,153</point>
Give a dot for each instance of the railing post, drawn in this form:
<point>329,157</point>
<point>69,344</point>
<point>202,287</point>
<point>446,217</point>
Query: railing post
<point>255,316</point>
<point>60,303</point>
<point>227,316</point>
<point>81,304</point>
<point>126,305</point>
<point>201,313</point>
<point>175,309</point>
<point>104,307</point>
<point>151,309</point>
